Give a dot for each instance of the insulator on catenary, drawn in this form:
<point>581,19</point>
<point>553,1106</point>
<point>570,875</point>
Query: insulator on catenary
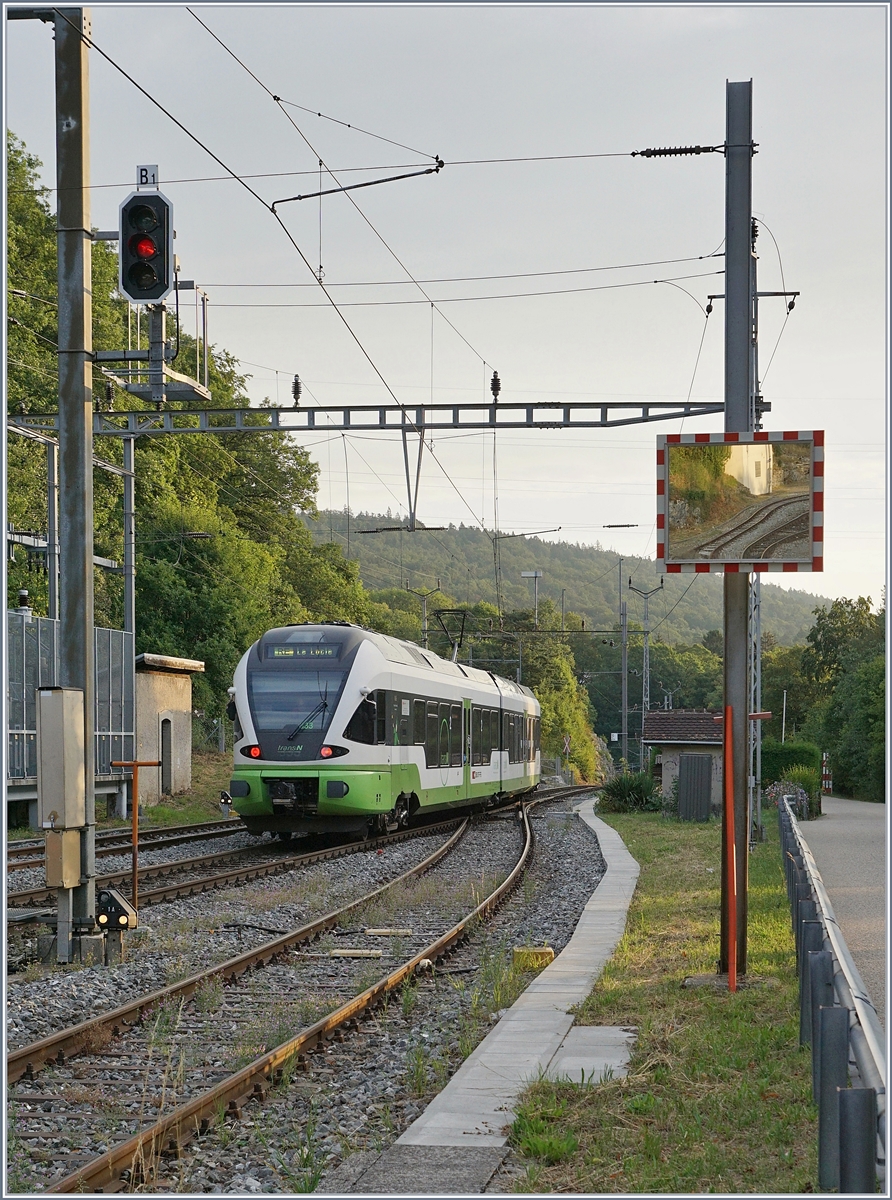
<point>296,390</point>
<point>495,385</point>
<point>662,152</point>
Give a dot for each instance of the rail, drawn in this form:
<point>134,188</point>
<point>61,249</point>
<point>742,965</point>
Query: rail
<point>128,1162</point>
<point>866,1039</point>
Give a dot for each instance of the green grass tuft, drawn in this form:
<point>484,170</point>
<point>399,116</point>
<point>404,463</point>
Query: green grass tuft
<point>718,1094</point>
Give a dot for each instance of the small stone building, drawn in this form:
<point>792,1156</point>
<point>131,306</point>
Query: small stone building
<point>673,732</point>
<point>164,724</point>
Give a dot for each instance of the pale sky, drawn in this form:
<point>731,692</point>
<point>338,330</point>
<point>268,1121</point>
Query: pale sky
<point>510,81</point>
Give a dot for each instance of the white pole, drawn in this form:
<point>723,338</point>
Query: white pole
<point>784,720</point>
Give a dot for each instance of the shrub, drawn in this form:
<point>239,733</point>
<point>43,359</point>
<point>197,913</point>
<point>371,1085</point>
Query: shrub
<point>778,757</point>
<point>670,800</point>
<point>803,807</point>
<point>635,792</point>
<point>809,780</point>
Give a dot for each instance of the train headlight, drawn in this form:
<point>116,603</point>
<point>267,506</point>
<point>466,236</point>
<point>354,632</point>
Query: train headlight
<point>325,752</point>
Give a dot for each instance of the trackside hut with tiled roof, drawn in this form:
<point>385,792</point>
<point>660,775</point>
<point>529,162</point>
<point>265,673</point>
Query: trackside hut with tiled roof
<point>673,732</point>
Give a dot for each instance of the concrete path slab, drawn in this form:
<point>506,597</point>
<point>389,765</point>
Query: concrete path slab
<point>531,1039</point>
<point>416,1171</point>
<point>849,845</point>
<point>590,1054</point>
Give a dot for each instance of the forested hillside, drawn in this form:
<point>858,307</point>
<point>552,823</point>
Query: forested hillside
<point>462,559</point>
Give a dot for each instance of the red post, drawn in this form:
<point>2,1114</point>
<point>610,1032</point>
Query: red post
<point>134,814</point>
<point>730,849</point>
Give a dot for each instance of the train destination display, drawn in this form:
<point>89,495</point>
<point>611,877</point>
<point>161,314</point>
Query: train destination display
<point>290,650</point>
<point>737,501</point>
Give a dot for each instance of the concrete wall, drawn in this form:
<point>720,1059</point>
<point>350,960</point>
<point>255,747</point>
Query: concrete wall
<point>163,696</point>
<point>670,769</point>
<point>751,466</point>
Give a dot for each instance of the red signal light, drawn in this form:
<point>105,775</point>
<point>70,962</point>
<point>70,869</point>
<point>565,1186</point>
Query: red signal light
<point>325,752</point>
<point>143,246</point>
<point>254,752</point>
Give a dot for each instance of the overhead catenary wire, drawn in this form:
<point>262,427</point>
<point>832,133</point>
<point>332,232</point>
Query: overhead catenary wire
<point>365,218</point>
<point>780,263</point>
<point>325,291</point>
<point>659,262</point>
<point>302,107</point>
<point>89,41</point>
<point>467,162</point>
<point>676,604</point>
<point>602,287</point>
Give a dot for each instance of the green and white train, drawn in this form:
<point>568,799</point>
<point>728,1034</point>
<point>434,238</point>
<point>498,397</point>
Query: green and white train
<point>341,730</point>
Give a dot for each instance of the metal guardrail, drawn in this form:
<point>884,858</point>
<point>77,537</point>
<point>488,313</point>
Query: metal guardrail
<point>866,1038</point>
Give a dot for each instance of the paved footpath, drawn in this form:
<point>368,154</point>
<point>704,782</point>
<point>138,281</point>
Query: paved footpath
<point>849,845</point>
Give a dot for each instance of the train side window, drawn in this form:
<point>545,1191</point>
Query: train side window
<point>361,726</point>
<point>444,735</point>
<point>432,739</point>
<point>455,747</point>
<point>381,700</point>
<point>494,731</point>
<point>508,736</point>
<point>418,722</point>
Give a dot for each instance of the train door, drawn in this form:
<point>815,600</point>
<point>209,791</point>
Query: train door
<point>466,747</point>
<point>501,748</point>
<point>401,709</point>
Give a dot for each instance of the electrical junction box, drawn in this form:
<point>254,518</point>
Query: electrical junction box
<point>63,858</point>
<point>61,781</point>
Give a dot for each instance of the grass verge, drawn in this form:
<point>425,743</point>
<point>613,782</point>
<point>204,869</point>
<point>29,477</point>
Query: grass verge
<point>718,1095</point>
<point>211,773</point>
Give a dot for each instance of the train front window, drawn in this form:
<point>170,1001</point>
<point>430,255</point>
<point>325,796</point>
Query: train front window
<point>291,704</point>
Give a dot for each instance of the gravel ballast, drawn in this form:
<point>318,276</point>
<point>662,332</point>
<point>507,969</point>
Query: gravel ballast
<point>359,1095</point>
<point>183,936</point>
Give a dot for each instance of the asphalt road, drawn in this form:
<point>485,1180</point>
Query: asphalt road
<point>849,846</point>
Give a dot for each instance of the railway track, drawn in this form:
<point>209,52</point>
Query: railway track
<point>273,862</point>
<point>769,544</point>
<point>769,540</point>
<point>117,841</point>
<point>169,1074</point>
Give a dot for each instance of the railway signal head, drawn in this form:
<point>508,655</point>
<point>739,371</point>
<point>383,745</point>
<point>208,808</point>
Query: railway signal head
<point>145,247</point>
<point>113,911</point>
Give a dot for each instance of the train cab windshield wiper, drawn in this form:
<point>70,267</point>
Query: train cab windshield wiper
<point>307,722</point>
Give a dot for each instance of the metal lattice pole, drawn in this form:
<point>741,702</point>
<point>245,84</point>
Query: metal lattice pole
<point>645,668</point>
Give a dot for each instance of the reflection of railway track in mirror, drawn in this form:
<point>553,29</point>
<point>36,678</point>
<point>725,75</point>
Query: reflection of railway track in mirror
<point>787,520</point>
<point>771,545</point>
